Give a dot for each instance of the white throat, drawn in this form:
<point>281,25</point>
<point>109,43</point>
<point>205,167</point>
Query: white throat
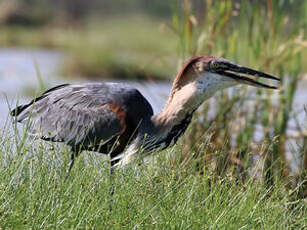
<point>209,83</point>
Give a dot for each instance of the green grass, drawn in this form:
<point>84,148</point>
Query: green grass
<point>162,194</point>
<point>136,47</point>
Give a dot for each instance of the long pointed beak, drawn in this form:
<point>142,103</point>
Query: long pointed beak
<point>240,74</point>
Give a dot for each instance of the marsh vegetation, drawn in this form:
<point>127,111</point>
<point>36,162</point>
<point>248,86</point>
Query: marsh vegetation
<point>242,163</point>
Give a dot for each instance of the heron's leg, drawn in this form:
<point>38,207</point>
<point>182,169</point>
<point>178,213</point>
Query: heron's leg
<point>111,179</point>
<point>112,168</point>
<point>73,156</point>
<point>71,162</point>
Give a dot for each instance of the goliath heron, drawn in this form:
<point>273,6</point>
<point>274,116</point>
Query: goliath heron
<point>112,118</point>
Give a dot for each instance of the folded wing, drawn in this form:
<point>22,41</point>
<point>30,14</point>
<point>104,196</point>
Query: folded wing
<point>76,114</point>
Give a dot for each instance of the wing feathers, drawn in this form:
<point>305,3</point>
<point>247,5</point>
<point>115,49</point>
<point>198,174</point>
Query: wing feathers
<point>85,114</point>
<point>73,116</point>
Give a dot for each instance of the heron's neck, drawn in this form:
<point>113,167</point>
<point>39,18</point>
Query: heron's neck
<point>164,129</point>
<point>181,104</point>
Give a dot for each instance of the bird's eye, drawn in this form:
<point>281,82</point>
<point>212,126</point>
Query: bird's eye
<point>214,65</point>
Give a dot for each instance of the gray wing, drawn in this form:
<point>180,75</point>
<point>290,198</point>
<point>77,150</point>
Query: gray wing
<point>81,114</point>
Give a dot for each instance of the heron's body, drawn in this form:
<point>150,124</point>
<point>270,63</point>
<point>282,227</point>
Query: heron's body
<point>115,119</point>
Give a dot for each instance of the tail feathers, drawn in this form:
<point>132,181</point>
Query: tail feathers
<point>21,108</point>
<point>15,112</point>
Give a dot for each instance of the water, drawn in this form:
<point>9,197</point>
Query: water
<point>17,68</point>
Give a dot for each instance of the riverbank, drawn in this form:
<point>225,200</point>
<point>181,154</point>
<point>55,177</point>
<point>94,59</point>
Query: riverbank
<point>137,47</point>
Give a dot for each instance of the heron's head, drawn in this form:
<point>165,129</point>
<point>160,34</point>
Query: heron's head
<point>203,76</point>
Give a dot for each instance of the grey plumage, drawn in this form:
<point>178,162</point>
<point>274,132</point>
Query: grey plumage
<point>87,116</point>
